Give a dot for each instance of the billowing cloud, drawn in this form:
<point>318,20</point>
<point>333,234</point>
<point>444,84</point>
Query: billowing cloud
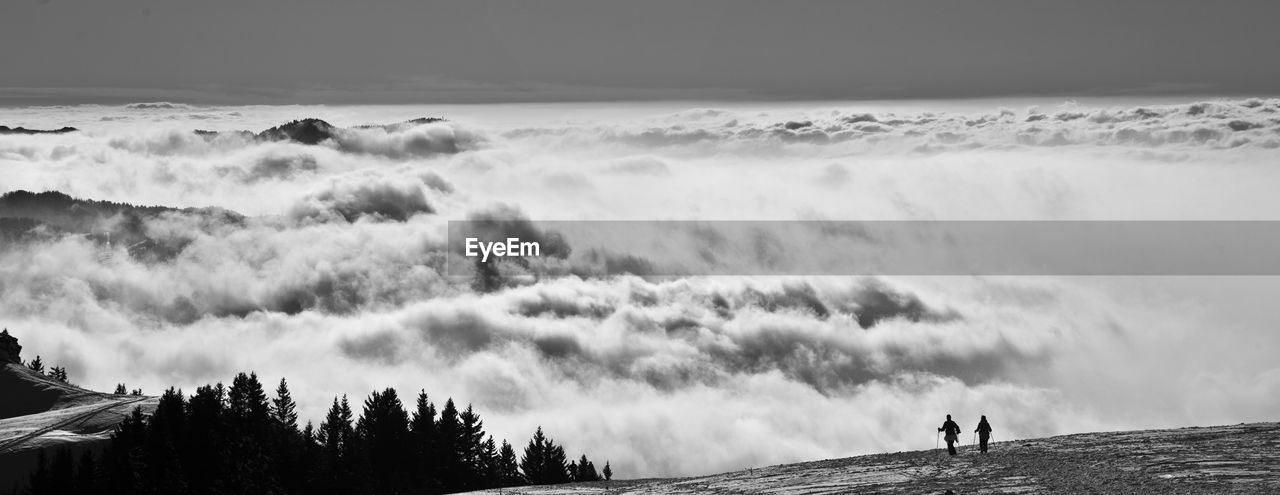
<point>1218,124</point>
<point>379,201</point>
<point>158,105</point>
<point>326,263</point>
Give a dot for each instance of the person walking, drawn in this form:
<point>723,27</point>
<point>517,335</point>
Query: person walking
<point>952,431</point>
<point>984,433</point>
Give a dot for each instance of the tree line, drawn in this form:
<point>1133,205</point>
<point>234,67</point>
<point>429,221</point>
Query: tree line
<point>236,440</point>
<point>58,373</point>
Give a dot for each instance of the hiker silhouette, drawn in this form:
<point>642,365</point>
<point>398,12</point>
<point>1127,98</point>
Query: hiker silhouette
<point>953,434</point>
<point>984,434</point>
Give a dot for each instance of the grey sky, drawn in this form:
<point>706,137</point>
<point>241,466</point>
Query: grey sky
<point>67,51</point>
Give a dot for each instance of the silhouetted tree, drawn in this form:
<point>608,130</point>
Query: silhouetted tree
<point>472,449</point>
<point>283,409</point>
<point>88,480</point>
<point>508,468</point>
<point>286,445</point>
<point>608,471</point>
<point>120,390</point>
<point>61,473</point>
<point>39,480</point>
<point>206,448</point>
<point>126,458</point>
<point>248,422</point>
<point>555,467</point>
<point>452,449</point>
<point>36,365</point>
<point>533,458</point>
<point>384,426</point>
<point>165,430</point>
<point>490,475</point>
<point>585,470</point>
<point>544,461</point>
<point>337,438</point>
<point>427,458</point>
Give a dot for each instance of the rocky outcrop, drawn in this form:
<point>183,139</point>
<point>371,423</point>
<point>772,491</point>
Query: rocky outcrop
<point>10,350</point>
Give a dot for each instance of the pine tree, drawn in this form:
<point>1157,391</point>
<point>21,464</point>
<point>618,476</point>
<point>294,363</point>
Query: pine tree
<point>490,473</point>
<point>586,470</point>
<point>451,448</point>
<point>206,449</point>
<point>61,473</point>
<point>286,450</point>
<point>249,423</point>
<point>471,448</point>
<point>126,460</point>
<point>337,436</point>
<point>87,478</point>
<point>555,465</point>
<point>608,471</point>
<point>120,390</point>
<point>384,426</point>
<point>36,365</point>
<point>423,427</point>
<point>508,466</point>
<point>39,479</point>
<point>283,409</point>
<point>535,458</point>
<point>309,462</point>
<point>247,403</point>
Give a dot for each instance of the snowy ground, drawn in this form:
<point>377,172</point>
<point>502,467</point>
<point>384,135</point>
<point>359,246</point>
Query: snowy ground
<point>1223,459</point>
<point>70,414</point>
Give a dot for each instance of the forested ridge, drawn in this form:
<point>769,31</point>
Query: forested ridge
<point>237,440</point>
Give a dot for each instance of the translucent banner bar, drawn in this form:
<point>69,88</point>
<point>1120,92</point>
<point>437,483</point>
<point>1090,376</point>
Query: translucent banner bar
<point>694,248</point>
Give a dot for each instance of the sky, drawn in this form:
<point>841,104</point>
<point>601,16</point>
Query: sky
<point>408,51</point>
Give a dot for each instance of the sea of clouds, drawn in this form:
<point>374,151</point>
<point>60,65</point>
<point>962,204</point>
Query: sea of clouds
<point>332,276</point>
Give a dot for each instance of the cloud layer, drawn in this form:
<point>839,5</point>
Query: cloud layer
<point>330,271</point>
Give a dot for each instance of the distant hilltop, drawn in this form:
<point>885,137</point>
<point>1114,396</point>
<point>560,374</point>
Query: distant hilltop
<point>4,129</point>
<point>313,131</point>
<point>26,215</point>
<point>303,131</point>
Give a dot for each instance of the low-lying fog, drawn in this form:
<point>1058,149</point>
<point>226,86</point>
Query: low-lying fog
<point>332,278</point>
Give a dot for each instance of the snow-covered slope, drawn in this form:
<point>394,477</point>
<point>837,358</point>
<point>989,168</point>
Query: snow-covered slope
<point>1242,458</point>
<point>37,412</point>
<point>29,392</point>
